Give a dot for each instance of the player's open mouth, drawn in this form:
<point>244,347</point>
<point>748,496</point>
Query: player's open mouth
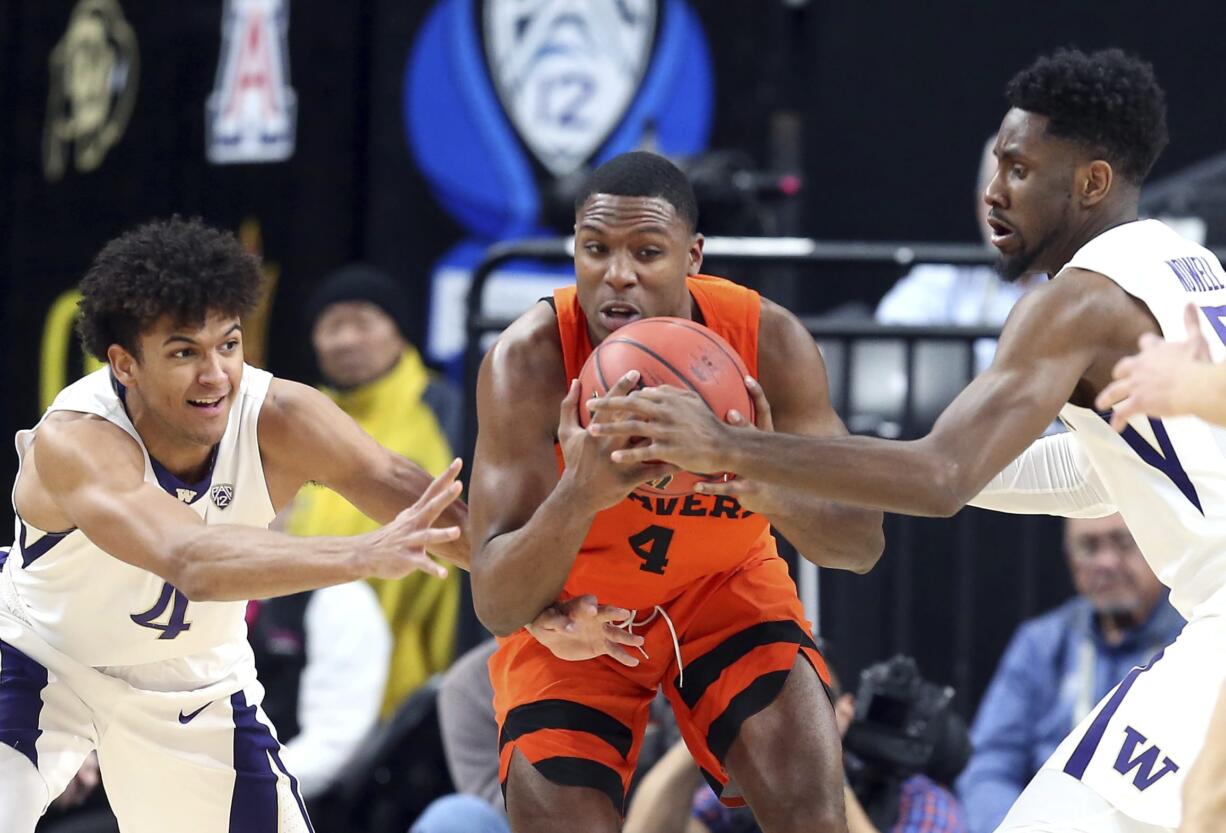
<point>207,404</point>
<point>616,314</point>
<point>1003,235</point>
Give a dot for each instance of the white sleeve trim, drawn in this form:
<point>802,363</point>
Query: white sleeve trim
<point>1054,476</point>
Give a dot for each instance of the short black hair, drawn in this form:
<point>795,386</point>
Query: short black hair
<point>1108,101</point>
<point>177,267</point>
<point>642,174</point>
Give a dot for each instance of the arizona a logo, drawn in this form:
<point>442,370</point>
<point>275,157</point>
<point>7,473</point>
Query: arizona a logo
<point>252,112</point>
<point>566,70</point>
<point>222,495</point>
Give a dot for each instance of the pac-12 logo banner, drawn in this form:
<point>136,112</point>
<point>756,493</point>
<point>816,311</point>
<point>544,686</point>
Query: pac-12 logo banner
<point>567,70</point>
<point>252,112</point>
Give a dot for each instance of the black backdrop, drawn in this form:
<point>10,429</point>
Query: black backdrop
<point>893,100</point>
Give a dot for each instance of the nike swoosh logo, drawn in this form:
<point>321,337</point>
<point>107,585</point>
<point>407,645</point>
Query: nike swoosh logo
<point>188,718</point>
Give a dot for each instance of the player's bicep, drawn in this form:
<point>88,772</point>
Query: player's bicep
<point>793,376</point>
<point>1045,348</point>
<point>514,465</point>
<point>306,433</point>
<point>101,488</point>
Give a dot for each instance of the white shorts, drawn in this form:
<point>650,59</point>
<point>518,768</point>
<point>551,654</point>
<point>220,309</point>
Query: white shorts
<point>1122,768</point>
<point>174,754</point>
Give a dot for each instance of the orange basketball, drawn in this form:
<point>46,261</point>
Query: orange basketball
<point>677,352</point>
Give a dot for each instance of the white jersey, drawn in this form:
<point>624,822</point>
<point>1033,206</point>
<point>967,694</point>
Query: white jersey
<point>101,611</point>
<point>1166,476</point>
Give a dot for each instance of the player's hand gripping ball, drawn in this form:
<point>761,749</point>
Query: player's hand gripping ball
<point>677,352</point>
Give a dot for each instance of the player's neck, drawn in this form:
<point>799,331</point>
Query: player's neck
<point>1094,224</point>
<point>185,459</point>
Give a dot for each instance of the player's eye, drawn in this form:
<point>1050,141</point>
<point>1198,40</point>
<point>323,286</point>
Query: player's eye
<point>593,248</point>
<point>185,353</point>
<point>1019,171</point>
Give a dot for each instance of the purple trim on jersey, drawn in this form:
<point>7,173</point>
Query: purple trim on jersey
<point>1164,458</point>
<point>170,482</point>
<point>1080,759</point>
<point>35,551</point>
<point>4,556</point>
<point>254,804</point>
<point>22,681</point>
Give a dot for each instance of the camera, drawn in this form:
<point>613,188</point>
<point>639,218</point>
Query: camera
<point>903,726</point>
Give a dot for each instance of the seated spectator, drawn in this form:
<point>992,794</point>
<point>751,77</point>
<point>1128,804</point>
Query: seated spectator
<point>323,659</point>
<point>357,318</point>
<point>1059,665</point>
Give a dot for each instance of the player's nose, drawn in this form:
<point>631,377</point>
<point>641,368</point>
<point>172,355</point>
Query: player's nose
<point>619,272</point>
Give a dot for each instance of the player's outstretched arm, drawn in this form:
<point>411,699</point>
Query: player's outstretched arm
<point>794,397</point>
<point>1053,336</point>
<point>92,474</point>
<point>527,523</point>
<point>305,437</point>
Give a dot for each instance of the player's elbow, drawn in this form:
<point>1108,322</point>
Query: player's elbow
<point>948,493</point>
<point>190,576</point>
<point>871,548</point>
<point>496,611</point>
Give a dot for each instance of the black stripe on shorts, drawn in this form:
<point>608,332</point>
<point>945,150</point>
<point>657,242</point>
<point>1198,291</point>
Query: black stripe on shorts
<point>583,772</point>
<point>757,695</point>
<point>569,715</point>
<point>705,670</point>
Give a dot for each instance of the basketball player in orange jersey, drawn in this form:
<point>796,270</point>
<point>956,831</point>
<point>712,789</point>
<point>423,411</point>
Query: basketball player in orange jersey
<point>710,608</point>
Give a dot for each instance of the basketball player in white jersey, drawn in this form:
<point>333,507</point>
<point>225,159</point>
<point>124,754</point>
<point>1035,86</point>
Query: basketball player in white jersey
<point>143,497</point>
<point>1081,134</point>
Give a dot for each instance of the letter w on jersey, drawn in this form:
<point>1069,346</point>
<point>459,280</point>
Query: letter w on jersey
<point>1144,762</point>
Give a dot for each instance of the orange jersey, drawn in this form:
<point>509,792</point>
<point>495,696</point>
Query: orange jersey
<point>645,550</point>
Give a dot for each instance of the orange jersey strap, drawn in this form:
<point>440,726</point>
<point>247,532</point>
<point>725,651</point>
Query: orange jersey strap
<point>728,308</point>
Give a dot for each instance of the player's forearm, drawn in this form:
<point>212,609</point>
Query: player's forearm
<point>518,574</point>
<point>665,797</point>
<point>228,563</point>
<point>906,477</point>
<point>830,534</point>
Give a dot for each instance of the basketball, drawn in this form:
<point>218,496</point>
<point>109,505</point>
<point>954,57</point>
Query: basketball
<point>677,352</point>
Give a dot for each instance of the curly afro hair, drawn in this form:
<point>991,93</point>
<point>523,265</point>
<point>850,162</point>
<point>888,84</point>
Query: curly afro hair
<point>175,267</point>
<point>1107,101</point>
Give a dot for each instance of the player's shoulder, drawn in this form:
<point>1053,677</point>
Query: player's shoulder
<point>781,335</point>
<point>529,351</point>
<point>73,434</point>
<point>288,408</point>
<point>74,444</point>
<point>1077,302</point>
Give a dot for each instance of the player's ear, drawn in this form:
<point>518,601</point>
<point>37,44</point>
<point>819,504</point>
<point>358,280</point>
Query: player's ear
<point>695,264</point>
<point>1094,182</point>
<point>123,364</point>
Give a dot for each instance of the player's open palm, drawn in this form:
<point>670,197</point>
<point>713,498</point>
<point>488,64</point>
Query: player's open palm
<point>399,548</point>
<point>579,629</point>
<point>588,456</point>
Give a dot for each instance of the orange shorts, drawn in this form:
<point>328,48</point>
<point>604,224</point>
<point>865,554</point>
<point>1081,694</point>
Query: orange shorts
<point>582,723</point>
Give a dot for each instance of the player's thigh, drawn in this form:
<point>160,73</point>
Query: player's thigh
<point>46,730</point>
<point>539,804</point>
<point>198,768</point>
<point>787,758</point>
